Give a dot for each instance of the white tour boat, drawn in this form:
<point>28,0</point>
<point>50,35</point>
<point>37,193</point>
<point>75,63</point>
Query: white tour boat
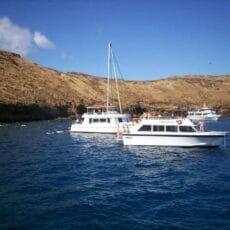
<point>204,113</point>
<point>101,120</point>
<point>171,132</point>
<point>104,119</point>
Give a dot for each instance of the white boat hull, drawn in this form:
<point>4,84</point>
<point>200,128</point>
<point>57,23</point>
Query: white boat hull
<point>207,139</point>
<point>79,128</point>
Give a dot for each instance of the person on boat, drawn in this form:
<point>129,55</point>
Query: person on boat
<point>144,115</point>
<point>201,125</point>
<point>78,118</point>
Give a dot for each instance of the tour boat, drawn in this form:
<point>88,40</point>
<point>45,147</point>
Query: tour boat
<point>171,132</point>
<point>104,119</point>
<point>101,120</point>
<point>204,113</point>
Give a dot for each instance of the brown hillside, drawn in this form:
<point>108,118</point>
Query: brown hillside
<point>29,91</point>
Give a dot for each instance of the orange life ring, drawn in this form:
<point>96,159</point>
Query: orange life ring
<point>179,122</point>
<point>135,120</point>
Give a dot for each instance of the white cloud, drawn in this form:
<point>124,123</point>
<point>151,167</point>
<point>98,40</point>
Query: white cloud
<point>14,38</point>
<point>42,41</point>
<point>20,40</point>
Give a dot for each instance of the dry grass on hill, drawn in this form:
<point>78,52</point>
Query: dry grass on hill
<point>25,83</point>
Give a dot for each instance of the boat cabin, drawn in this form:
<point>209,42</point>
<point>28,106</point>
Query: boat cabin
<point>101,109</point>
<point>99,115</point>
<point>166,128</point>
<point>165,125</point>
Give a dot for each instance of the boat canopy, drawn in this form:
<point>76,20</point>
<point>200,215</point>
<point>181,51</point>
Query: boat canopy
<point>100,109</point>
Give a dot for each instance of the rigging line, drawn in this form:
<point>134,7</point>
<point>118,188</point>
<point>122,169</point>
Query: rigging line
<point>121,78</point>
<point>118,67</point>
<point>115,76</point>
<point>108,80</point>
<point>112,97</point>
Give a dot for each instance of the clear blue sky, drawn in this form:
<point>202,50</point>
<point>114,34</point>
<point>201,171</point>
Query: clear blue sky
<point>152,39</point>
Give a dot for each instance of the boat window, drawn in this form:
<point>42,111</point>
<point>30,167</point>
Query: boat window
<point>102,120</point>
<point>158,128</point>
<point>90,120</point>
<point>95,120</point>
<point>145,128</point>
<point>171,128</point>
<point>119,119</point>
<point>186,129</point>
<point>108,120</point>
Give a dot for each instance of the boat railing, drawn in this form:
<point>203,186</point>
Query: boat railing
<point>101,109</point>
<point>160,118</point>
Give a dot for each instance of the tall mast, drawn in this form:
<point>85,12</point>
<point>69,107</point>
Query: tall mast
<point>109,73</point>
<point>117,89</point>
<point>112,69</point>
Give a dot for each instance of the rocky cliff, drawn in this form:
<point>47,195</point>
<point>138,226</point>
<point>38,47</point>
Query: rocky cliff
<point>31,92</point>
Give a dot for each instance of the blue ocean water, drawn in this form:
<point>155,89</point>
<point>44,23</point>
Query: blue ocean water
<point>51,179</point>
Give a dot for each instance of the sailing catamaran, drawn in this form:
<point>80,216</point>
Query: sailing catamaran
<point>104,119</point>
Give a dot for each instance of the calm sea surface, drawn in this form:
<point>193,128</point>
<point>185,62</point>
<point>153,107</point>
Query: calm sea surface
<point>51,179</point>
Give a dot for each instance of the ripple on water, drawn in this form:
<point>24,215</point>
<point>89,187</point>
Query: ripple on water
<point>66,181</point>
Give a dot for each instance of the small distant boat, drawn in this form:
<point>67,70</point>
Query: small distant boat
<point>171,132</point>
<point>204,113</point>
<point>104,119</point>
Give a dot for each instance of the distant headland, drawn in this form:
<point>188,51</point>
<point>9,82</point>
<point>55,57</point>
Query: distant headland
<point>31,92</point>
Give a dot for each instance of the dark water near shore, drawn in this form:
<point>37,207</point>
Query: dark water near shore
<point>50,179</point>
